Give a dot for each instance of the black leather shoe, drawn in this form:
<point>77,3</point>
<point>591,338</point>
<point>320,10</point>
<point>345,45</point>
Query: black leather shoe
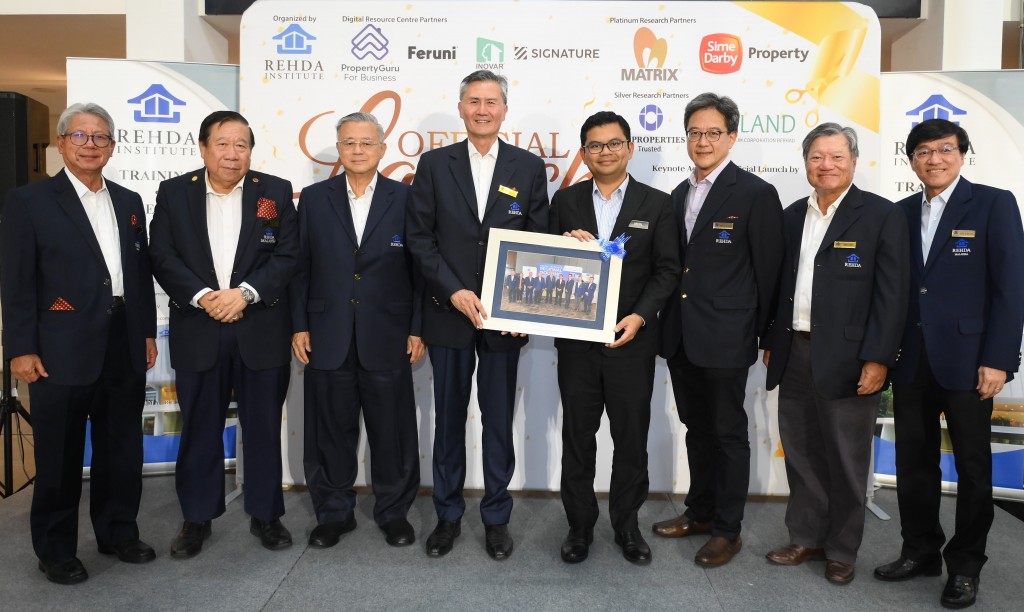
<point>69,572</point>
<point>129,551</point>
<point>634,547</point>
<point>272,534</point>
<point>905,569</point>
<point>189,540</point>
<point>442,538</point>
<point>498,542</point>
<point>576,545</point>
<point>327,535</point>
<point>398,532</point>
<point>960,591</point>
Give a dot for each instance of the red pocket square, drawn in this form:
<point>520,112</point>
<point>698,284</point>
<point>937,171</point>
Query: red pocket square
<point>266,209</point>
<point>61,304</point>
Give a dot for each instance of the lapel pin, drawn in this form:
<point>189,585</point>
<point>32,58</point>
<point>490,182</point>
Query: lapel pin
<point>194,178</point>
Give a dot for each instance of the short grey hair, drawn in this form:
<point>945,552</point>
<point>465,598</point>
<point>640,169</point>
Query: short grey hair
<point>79,108</point>
<point>485,75</point>
<point>361,118</point>
<point>832,129</point>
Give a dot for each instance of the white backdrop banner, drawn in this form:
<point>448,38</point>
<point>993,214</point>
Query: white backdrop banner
<point>990,107</point>
<point>157,108</point>
<point>789,67</point>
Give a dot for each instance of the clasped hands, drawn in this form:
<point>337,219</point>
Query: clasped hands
<point>224,305</point>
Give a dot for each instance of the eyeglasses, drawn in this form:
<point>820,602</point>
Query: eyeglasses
<point>947,149</point>
<point>710,135</point>
<point>595,148</point>
<point>80,138</point>
<point>352,144</point>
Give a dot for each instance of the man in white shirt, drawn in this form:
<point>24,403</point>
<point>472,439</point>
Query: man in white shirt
<point>80,328</point>
<point>224,248</point>
<point>836,332</point>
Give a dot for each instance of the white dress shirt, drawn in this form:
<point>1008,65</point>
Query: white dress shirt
<point>815,226</point>
<point>608,209</point>
<point>360,206</point>
<point>482,167</point>
<point>223,225</point>
<point>931,212</point>
<point>100,211</point>
<point>696,195</point>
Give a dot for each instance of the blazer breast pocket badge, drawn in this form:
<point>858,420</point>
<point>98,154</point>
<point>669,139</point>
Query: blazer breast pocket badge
<point>396,241</point>
<point>268,236</point>
<point>852,261</point>
<point>723,237</point>
<point>515,209</point>
<point>962,247</point>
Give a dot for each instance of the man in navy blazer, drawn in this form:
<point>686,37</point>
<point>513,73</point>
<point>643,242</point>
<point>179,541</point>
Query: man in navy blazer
<point>836,332</point>
<point>460,192</point>
<point>79,328</point>
<point>356,302</point>
<point>618,377</point>
<point>224,248</point>
<point>731,245</point>
<point>961,344</point>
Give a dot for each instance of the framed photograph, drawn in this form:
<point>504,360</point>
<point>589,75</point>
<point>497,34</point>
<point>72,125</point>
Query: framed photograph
<point>550,286</point>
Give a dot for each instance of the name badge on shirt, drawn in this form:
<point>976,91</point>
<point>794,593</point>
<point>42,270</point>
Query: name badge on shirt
<point>839,244</point>
<point>964,233</point>
<point>638,224</point>
<point>720,225</point>
<point>509,191</point>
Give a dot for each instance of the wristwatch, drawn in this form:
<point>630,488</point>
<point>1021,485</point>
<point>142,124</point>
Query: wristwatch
<point>248,295</point>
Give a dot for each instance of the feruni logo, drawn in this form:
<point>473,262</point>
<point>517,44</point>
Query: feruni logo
<point>721,53</point>
<point>156,104</point>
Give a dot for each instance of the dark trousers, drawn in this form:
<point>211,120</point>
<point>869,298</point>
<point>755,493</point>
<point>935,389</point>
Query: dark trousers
<point>828,455</point>
<point>590,383</point>
<point>917,407</point>
<point>496,394</point>
<point>333,402</point>
<point>709,402</point>
<point>59,415</point>
<point>204,398</point>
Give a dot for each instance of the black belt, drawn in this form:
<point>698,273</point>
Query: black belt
<point>118,302</point>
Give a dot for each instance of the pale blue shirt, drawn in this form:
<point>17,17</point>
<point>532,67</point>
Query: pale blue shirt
<point>607,210</point>
<point>931,213</point>
<point>697,194</point>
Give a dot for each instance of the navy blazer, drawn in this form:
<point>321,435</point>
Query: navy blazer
<point>967,299</point>
<point>650,269</point>
<point>731,269</point>
<point>343,285</point>
<point>861,275</point>
<point>265,259</point>
<point>448,240</point>
<point>55,284</point>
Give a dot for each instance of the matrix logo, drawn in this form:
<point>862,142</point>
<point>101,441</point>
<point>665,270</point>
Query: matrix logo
<point>935,107</point>
<point>721,53</point>
<point>651,117</point>
<point>156,104</point>
<point>649,50</point>
<point>489,51</point>
<point>370,41</point>
<point>294,41</point>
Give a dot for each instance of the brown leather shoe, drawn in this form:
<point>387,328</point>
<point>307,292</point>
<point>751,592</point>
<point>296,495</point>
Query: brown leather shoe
<point>794,554</point>
<point>718,551</point>
<point>680,527</point>
<point>838,572</point>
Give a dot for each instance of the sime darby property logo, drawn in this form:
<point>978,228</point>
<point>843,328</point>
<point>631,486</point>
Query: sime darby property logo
<point>651,53</point>
<point>721,53</point>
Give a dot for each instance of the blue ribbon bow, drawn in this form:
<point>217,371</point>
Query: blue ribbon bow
<point>613,247</point>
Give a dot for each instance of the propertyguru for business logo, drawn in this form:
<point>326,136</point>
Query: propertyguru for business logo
<point>721,53</point>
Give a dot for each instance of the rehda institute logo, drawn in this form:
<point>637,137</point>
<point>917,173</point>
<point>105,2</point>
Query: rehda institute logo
<point>370,41</point>
<point>157,104</point>
<point>293,40</point>
<point>490,54</point>
<point>935,107</point>
<point>649,50</point>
